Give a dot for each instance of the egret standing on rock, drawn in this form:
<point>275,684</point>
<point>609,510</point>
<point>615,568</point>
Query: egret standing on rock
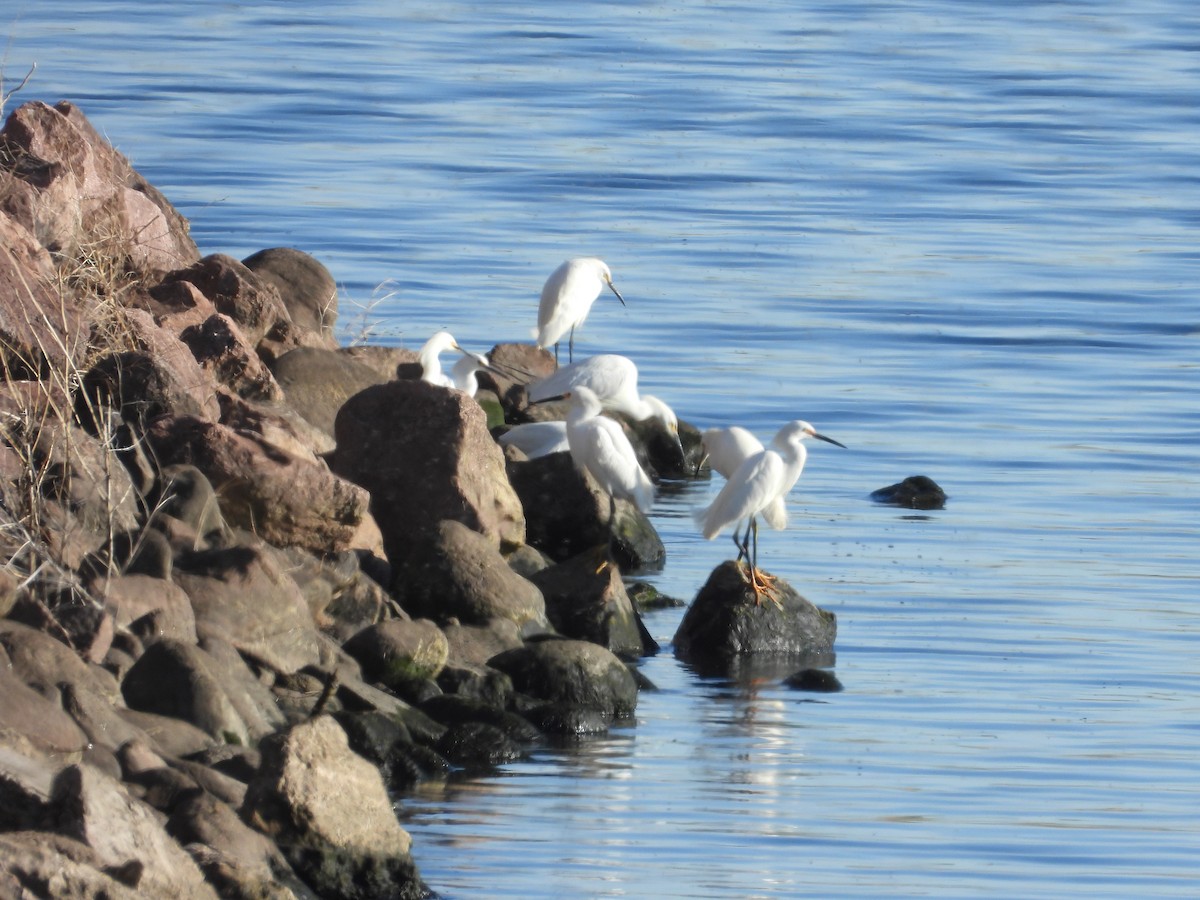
<point>599,446</point>
<point>567,297</point>
<point>755,485</point>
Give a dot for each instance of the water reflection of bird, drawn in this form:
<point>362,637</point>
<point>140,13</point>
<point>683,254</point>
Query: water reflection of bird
<point>567,297</point>
<point>599,446</point>
<point>757,487</point>
<point>614,381</point>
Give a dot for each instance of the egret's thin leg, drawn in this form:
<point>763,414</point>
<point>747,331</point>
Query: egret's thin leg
<point>571,346</point>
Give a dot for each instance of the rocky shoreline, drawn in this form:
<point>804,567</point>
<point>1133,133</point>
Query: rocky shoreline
<point>256,584</point>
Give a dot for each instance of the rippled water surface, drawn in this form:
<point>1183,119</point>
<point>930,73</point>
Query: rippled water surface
<point>962,238</point>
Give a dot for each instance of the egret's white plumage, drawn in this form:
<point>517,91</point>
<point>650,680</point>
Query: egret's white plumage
<point>431,365</point>
<point>614,380</point>
<point>536,439</point>
<point>464,374</point>
<point>757,487</point>
<point>567,297</point>
<point>599,445</point>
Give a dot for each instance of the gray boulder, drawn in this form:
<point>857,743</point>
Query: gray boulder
<point>591,605</point>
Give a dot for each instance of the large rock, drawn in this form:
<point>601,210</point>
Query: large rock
<point>220,696</point>
<point>244,596</point>
<point>318,382</point>
<point>458,573</point>
<point>130,597</point>
<point>287,500</point>
<point>578,674</point>
<point>26,713</point>
<point>398,651</point>
<point>78,195</point>
<point>305,286</point>
<point>591,605</point>
<point>99,812</point>
<point>330,813</point>
<point>424,453</point>
<point>724,630</point>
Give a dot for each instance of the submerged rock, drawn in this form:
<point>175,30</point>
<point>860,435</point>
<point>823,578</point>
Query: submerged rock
<point>914,492</point>
<point>724,626</point>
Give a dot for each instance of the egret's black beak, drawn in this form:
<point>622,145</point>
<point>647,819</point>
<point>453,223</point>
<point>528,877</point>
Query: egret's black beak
<point>829,440</point>
<point>613,288</point>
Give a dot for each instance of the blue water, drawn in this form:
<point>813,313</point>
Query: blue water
<point>961,238</point>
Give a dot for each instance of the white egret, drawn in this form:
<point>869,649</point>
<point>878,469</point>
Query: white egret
<point>431,366</point>
<point>537,439</point>
<point>614,380</point>
<point>599,446</point>
<point>567,297</point>
<point>756,484</point>
<point>464,374</point>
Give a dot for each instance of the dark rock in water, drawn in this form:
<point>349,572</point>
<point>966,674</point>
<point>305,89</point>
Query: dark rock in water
<point>591,606</point>
<point>576,673</point>
<point>820,680</point>
<point>453,710</point>
<point>914,492</point>
<point>723,624</point>
<point>562,719</point>
<point>477,745</point>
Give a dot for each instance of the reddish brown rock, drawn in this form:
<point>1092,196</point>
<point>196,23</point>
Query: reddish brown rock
<point>425,455</point>
<point>251,302</point>
<point>457,573</point>
<point>223,351</point>
<point>130,597</point>
<point>29,345</point>
<point>286,500</point>
<point>74,191</point>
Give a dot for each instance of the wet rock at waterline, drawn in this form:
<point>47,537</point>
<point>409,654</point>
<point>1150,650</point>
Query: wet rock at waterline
<point>588,602</point>
<point>914,492</point>
<point>820,681</point>
<point>723,625</point>
<point>575,673</point>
